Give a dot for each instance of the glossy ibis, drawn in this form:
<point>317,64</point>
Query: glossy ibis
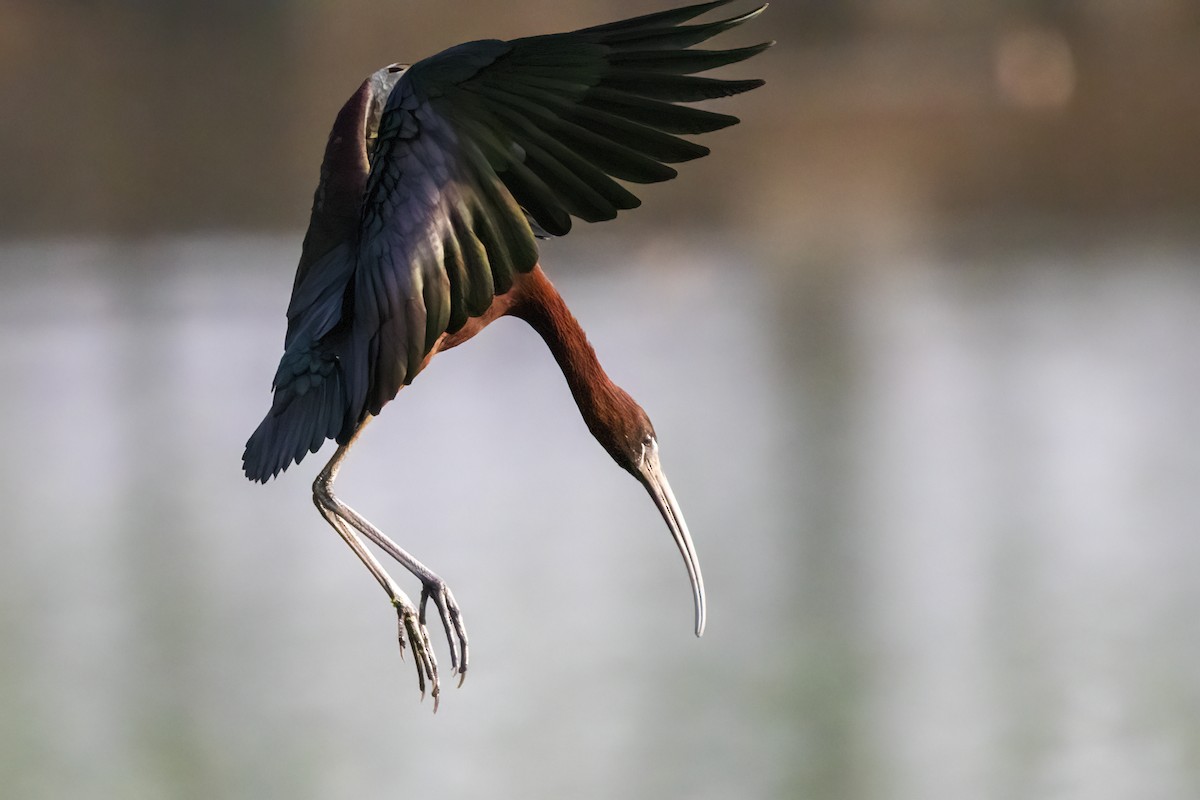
<point>438,179</point>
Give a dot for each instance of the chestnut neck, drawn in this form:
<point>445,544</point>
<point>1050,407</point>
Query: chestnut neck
<point>603,404</point>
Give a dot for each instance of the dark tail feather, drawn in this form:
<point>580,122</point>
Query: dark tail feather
<point>297,424</point>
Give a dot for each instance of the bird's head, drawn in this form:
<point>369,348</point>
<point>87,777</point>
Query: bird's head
<point>629,438</point>
<point>386,78</point>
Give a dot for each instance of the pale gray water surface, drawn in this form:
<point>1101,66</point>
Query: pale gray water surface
<point>947,510</point>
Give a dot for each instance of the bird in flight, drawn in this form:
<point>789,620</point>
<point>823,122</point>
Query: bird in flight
<point>438,180</point>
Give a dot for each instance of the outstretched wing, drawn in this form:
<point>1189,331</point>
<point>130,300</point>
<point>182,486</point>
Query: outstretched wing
<point>486,143</point>
<point>479,150</point>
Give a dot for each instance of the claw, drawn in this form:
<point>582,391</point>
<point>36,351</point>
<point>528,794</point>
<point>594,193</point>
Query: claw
<point>418,637</point>
<point>451,617</point>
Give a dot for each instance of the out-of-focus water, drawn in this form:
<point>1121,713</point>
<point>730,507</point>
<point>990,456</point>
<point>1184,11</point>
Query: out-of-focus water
<point>947,509</point>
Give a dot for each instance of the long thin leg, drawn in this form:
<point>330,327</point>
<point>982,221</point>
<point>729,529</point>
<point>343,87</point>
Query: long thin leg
<point>409,621</point>
<point>432,586</point>
<point>408,618</point>
<point>345,521</point>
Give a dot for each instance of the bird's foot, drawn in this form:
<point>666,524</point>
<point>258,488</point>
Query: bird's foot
<point>456,635</point>
<point>412,628</point>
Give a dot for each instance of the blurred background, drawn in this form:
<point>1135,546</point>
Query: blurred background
<point>921,341</point>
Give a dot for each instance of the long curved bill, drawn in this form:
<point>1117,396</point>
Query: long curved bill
<point>652,477</point>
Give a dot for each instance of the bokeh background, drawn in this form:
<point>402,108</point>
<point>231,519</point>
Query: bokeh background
<point>921,341</point>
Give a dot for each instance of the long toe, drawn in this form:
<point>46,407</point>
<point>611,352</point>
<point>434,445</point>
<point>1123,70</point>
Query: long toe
<point>452,622</point>
<point>417,635</point>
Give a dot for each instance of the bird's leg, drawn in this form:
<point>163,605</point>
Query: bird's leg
<point>432,586</point>
<point>410,622</point>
